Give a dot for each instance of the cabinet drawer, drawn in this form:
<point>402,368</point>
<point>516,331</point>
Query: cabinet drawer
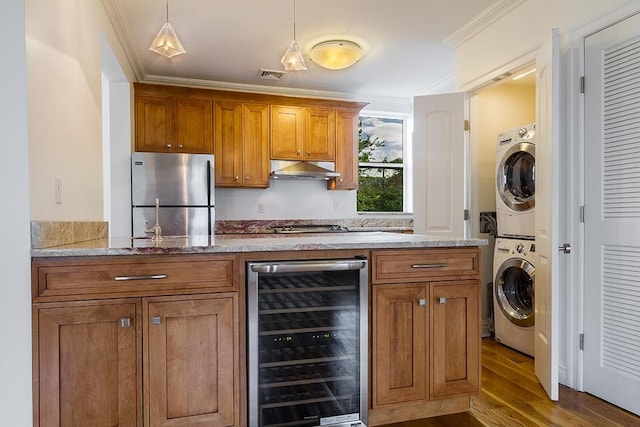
<point>106,277</point>
<point>395,266</point>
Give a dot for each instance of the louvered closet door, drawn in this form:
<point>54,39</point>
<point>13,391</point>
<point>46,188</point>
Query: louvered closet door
<point>612,214</point>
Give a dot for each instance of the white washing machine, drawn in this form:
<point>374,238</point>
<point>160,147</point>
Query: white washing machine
<point>515,182</point>
<point>513,293</point>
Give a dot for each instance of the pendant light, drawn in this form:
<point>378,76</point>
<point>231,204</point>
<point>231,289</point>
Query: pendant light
<point>167,42</point>
<point>292,58</point>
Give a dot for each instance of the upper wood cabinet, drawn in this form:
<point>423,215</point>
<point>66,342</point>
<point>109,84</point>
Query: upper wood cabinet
<point>299,133</point>
<point>246,130</point>
<point>193,124</point>
<point>347,161</point>
<point>154,123</point>
<point>241,140</point>
<point>169,124</point>
<point>287,132</point>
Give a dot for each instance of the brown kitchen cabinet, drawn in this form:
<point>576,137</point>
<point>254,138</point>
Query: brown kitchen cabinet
<point>87,364</point>
<point>299,133</point>
<point>191,361</point>
<point>97,334</point>
<point>425,332</point>
<point>170,124</point>
<point>241,140</point>
<point>347,161</point>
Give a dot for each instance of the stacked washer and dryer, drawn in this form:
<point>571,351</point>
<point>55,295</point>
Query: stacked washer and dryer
<point>514,256</point>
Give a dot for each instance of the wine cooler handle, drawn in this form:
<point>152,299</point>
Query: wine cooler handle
<point>303,266</point>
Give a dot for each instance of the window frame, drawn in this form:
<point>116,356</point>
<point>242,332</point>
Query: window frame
<point>407,160</point>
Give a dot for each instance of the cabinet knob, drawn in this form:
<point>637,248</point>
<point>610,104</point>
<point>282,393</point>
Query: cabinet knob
<point>168,145</point>
<point>308,153</point>
<point>235,178</point>
<point>298,152</point>
<point>341,180</point>
<point>422,302</point>
<point>155,320</point>
<point>442,300</point>
<point>125,322</point>
<point>180,146</point>
<point>247,178</point>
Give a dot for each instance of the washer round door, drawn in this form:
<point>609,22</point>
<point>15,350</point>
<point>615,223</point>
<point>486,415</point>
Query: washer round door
<point>516,177</point>
<point>514,291</point>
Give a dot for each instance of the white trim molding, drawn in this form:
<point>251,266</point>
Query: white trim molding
<point>490,15</point>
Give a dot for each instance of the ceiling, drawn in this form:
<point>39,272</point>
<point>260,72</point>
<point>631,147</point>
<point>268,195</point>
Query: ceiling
<point>229,41</point>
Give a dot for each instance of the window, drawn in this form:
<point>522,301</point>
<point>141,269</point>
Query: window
<point>382,156</point>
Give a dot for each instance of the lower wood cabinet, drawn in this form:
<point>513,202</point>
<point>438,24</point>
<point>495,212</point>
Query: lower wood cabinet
<point>425,335</point>
<point>156,361</point>
<point>87,365</point>
<point>191,361</point>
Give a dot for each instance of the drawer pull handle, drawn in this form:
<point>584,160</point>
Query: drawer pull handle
<point>442,300</point>
<point>125,322</point>
<point>152,277</point>
<point>422,302</point>
<point>443,265</point>
<point>156,320</point>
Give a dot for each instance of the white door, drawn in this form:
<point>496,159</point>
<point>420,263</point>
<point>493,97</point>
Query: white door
<point>547,215</point>
<point>440,165</point>
<point>612,214</point>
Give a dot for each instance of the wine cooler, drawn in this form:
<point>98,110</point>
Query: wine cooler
<point>307,342</point>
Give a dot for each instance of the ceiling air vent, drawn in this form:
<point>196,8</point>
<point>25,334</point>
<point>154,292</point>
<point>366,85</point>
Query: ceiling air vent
<point>271,74</point>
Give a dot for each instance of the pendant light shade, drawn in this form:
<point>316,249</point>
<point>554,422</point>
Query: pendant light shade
<point>292,58</point>
<point>167,42</point>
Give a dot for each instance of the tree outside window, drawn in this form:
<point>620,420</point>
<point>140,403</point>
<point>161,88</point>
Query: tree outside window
<point>381,160</point>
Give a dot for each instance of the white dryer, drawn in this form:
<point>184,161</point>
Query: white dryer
<point>513,293</point>
<point>515,182</point>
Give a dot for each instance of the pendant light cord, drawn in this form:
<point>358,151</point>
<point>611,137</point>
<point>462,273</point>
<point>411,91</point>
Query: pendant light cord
<point>294,20</point>
<point>167,10</point>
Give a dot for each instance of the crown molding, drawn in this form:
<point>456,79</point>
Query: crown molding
<point>122,32</point>
<point>490,15</point>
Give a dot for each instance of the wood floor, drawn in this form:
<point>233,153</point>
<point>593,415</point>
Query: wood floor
<point>512,396</point>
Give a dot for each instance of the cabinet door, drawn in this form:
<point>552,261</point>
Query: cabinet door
<point>191,361</point>
<point>87,370</point>
<point>320,134</point>
<point>193,126</point>
<point>154,123</point>
<point>287,132</point>
<point>228,143</point>
<point>256,145</point>
<point>346,151</point>
<point>400,338</point>
<point>455,338</point>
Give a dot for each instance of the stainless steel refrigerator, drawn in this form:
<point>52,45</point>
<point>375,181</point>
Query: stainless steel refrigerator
<point>183,184</point>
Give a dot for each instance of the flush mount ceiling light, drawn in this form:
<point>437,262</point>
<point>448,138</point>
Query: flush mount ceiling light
<point>167,42</point>
<point>292,58</point>
<point>336,54</point>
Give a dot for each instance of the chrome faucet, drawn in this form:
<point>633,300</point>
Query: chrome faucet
<point>156,230</point>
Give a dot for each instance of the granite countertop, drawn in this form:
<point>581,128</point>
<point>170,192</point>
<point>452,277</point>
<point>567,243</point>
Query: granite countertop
<point>252,243</point>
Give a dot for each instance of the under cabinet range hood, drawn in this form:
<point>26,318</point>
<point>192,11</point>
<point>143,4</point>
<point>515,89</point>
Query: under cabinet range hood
<point>286,169</point>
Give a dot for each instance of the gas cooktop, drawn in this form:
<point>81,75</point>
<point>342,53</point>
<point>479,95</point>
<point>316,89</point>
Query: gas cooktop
<point>296,229</point>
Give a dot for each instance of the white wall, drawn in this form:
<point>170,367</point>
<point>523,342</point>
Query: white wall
<point>64,106</point>
<point>520,32</point>
<point>492,111</point>
<point>285,199</point>
<point>15,289</point>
